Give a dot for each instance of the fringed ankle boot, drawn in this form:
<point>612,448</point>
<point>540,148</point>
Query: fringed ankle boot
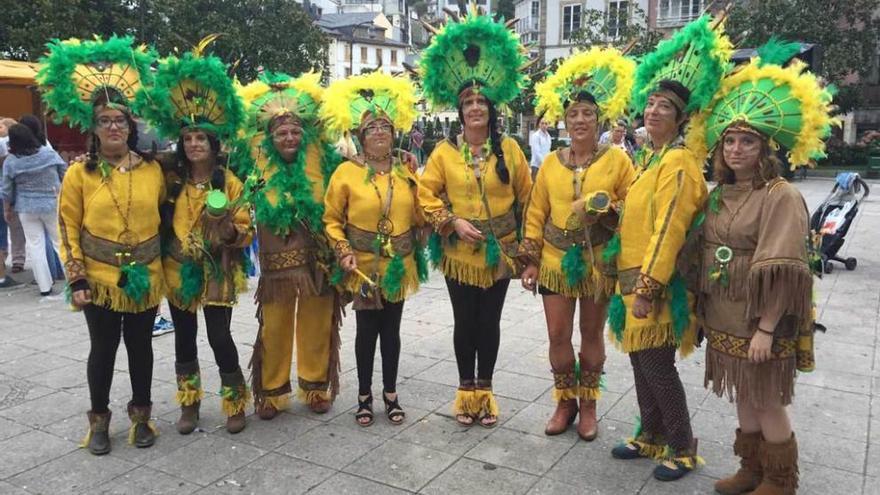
<point>589,392</point>
<point>189,396</point>
<point>98,438</point>
<point>749,475</point>
<point>235,398</point>
<point>142,432</point>
<point>780,464</point>
<point>565,393</point>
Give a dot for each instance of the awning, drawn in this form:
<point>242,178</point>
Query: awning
<point>15,73</point>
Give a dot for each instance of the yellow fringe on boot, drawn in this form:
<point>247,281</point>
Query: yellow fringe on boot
<point>233,407</point>
<point>279,402</point>
<point>189,397</point>
<point>689,462</point>
<point>464,402</point>
<point>561,394</point>
<point>87,439</point>
<point>150,424</point>
<point>589,393</point>
<point>307,396</point>
<point>485,402</point>
<point>650,450</point>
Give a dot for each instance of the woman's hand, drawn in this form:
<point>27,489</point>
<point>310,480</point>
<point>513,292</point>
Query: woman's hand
<point>760,346</point>
<point>348,263</point>
<point>410,160</point>
<point>82,297</point>
<point>642,307</point>
<point>466,231</point>
<point>530,278</point>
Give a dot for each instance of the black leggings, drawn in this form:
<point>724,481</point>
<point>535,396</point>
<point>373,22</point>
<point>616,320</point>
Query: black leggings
<point>477,333</point>
<point>218,320</point>
<point>105,328</point>
<point>660,394</point>
<point>385,324</point>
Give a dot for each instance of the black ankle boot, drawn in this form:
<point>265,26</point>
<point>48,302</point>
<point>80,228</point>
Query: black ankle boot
<point>141,434</point>
<point>99,433</point>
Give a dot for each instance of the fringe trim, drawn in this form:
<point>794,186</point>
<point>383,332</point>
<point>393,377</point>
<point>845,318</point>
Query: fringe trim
<point>485,403</point>
<point>150,424</point>
<point>307,396</point>
<point>561,394</point>
<point>785,284</point>
<point>595,285</point>
<point>279,402</point>
<point>334,364</point>
<point>655,336</point>
<point>86,439</point>
<point>233,407</point>
<point>689,462</point>
<point>189,397</point>
<point>409,286</point>
<point>649,450</point>
<point>779,461</point>
<point>116,299</point>
<point>759,385</point>
<point>738,276</point>
<point>478,276</point>
<point>464,402</point>
<point>589,393</point>
<point>281,287</point>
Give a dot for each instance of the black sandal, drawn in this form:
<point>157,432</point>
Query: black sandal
<point>365,410</point>
<point>393,410</point>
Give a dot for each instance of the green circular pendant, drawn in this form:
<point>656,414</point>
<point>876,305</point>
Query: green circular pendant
<point>723,254</point>
<point>216,202</point>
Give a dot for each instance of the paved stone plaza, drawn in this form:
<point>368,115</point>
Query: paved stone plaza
<point>43,399</point>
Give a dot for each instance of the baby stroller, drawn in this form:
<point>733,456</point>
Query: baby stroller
<point>835,215</point>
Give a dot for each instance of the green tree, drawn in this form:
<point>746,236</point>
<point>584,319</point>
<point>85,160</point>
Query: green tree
<point>846,32</point>
<point>257,35</point>
<point>626,30</point>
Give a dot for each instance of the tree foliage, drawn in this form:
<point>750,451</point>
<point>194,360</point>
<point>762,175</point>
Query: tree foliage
<point>259,35</point>
<point>630,31</point>
<point>845,31</point>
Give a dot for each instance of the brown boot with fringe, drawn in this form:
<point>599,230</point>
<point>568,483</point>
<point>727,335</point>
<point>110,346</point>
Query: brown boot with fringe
<point>589,391</point>
<point>189,395</point>
<point>98,438</point>
<point>588,426</point>
<point>142,433</point>
<point>780,464</point>
<point>565,393</point>
<point>748,477</point>
<point>234,400</point>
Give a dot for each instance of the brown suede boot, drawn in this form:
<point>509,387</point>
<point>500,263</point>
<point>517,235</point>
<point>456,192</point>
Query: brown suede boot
<point>588,428</point>
<point>189,395</point>
<point>142,434</point>
<point>98,439</point>
<point>779,461</point>
<point>563,417</point>
<point>746,446</point>
<point>235,398</point>
<point>189,418</point>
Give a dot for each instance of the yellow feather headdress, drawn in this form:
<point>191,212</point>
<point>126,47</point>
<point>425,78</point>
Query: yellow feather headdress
<point>276,94</point>
<point>603,72</point>
<point>347,101</point>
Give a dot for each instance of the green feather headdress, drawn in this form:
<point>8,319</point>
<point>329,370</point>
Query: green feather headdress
<point>277,94</point>
<point>696,56</point>
<point>603,72</point>
<point>473,50</point>
<point>786,105</point>
<point>76,74</point>
<point>193,91</point>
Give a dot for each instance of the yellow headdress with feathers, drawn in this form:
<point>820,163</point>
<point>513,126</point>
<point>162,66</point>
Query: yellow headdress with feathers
<point>348,101</point>
<point>277,94</point>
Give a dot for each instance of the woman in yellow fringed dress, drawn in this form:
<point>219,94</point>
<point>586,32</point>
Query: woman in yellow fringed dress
<point>470,190</point>
<point>206,225</point>
<point>372,219</point>
<point>108,215</point>
<point>563,247</point>
<point>651,315</point>
<point>754,276</point>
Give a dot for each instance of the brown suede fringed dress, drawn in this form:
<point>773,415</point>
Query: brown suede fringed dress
<point>766,230</point>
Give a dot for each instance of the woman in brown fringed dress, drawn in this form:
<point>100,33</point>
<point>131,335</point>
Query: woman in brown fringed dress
<point>756,288</point>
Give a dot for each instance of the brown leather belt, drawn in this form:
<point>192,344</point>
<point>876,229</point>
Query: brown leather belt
<point>110,252</point>
<point>363,240</point>
<point>504,224</point>
<point>563,239</point>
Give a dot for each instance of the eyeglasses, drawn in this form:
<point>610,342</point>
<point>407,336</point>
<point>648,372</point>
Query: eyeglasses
<point>107,122</point>
<point>376,128</point>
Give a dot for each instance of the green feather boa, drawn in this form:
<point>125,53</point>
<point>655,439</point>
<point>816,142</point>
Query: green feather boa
<point>135,281</point>
<point>678,307</point>
<point>612,250</point>
<point>392,282</point>
<point>617,316</point>
<point>493,251</point>
<point>421,255</point>
<point>573,265</point>
<point>192,280</point>
<point>435,249</point>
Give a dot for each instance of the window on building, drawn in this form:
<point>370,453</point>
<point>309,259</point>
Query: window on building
<point>347,71</point>
<point>535,15</point>
<point>618,17</point>
<point>378,56</point>
<point>363,54</point>
<point>348,53</point>
<point>681,10</point>
<point>393,57</point>
<point>571,21</point>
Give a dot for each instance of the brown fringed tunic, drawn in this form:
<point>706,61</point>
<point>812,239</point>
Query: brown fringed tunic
<point>767,229</point>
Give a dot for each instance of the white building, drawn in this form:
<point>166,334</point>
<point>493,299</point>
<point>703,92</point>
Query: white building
<point>361,42</point>
<point>435,7</point>
<point>551,24</point>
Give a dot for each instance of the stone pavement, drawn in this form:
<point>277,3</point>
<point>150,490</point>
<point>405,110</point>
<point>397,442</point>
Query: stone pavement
<point>43,399</point>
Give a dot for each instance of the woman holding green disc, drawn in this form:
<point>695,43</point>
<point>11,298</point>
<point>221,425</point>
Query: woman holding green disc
<point>205,227</point>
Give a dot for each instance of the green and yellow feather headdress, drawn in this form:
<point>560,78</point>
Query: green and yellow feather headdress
<point>193,91</point>
<point>603,72</point>
<point>347,101</point>
<point>696,56</point>
<point>277,94</point>
<point>473,50</point>
<point>784,104</point>
<point>76,74</point>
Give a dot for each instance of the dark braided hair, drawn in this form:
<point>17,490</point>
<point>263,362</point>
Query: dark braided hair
<point>495,137</point>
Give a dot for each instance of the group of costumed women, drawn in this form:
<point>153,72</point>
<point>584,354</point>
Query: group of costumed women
<point>642,245</point>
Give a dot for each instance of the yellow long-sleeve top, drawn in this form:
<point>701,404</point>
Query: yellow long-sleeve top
<point>352,211</point>
<point>659,210</point>
<point>449,190</point>
<point>549,209</point>
<point>189,223</point>
<point>289,262</point>
<point>90,219</point>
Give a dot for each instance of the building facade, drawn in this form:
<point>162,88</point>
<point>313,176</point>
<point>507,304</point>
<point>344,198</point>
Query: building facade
<point>361,42</point>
